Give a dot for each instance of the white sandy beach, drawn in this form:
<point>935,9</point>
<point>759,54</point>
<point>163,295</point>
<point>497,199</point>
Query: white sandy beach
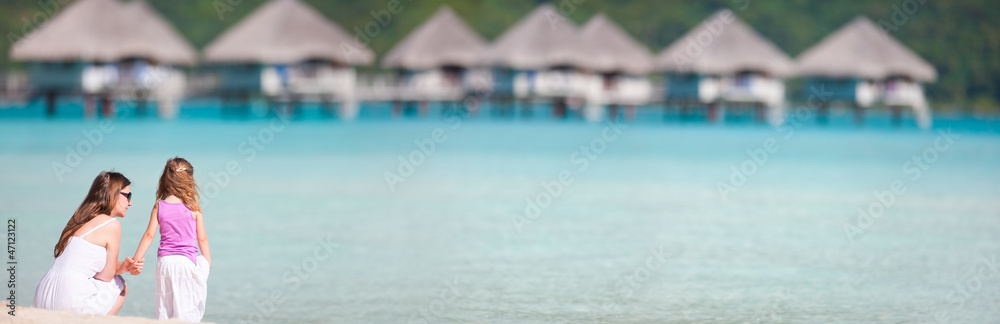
<point>34,315</point>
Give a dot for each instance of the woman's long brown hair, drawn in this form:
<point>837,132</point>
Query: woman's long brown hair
<point>101,199</point>
<point>178,180</point>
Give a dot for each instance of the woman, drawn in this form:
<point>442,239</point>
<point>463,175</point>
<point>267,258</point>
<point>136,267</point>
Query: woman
<point>85,275</point>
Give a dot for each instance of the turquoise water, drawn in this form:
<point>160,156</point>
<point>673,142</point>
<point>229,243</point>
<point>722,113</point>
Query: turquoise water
<point>441,246</point>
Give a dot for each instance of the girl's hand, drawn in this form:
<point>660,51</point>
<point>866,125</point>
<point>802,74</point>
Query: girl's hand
<point>137,267</point>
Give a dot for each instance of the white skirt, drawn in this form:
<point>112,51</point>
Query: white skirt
<point>181,288</point>
<point>67,291</point>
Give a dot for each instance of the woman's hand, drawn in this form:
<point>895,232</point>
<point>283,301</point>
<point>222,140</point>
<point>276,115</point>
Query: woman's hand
<point>125,266</point>
<point>137,266</point>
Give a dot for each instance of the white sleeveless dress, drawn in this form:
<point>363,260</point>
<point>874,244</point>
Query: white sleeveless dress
<point>70,284</point>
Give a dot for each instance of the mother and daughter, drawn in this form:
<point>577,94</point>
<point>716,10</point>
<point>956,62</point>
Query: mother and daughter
<point>86,275</point>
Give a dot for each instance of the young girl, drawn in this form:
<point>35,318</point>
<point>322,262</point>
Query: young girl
<point>181,274</point>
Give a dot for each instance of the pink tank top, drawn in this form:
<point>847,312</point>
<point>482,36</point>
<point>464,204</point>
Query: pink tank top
<point>178,231</point>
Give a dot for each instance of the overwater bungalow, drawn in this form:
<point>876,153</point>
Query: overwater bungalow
<point>106,49</point>
<point>287,51</point>
<point>862,65</point>
<point>625,82</point>
<point>723,61</point>
<point>441,60</point>
<point>544,57</point>
<point>157,51</point>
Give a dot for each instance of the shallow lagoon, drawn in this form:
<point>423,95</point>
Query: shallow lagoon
<point>641,234</point>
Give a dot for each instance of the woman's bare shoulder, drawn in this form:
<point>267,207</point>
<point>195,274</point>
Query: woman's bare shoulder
<point>94,222</point>
<point>101,219</point>
<point>111,227</point>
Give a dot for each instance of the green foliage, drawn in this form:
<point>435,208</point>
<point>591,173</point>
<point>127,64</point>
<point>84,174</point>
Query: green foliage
<point>960,38</point>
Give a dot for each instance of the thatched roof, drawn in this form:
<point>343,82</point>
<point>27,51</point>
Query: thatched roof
<point>609,40</point>
<point>287,31</point>
<point>84,30</point>
<point>862,49</point>
<point>152,36</point>
<point>543,39</point>
<point>104,30</point>
<point>442,40</point>
<point>723,44</point>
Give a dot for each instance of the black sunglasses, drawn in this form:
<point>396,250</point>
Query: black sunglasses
<point>127,195</point>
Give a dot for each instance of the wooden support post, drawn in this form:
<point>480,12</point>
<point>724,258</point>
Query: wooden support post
<point>759,112</point>
<point>397,108</point>
<point>473,107</point>
<point>297,106</point>
<point>272,104</point>
<point>107,106</point>
<point>467,106</point>
<point>281,106</point>
<point>89,105</point>
<point>224,104</point>
<point>630,111</point>
<point>423,108</point>
<point>505,107</point>
<point>559,108</point>
<point>226,101</point>
<point>897,115</point>
<point>409,108</point>
<point>50,104</point>
<point>713,112</point>
<point>326,105</point>
<point>859,115</point>
<point>509,109</point>
<point>245,102</point>
<point>822,113</point>
<point>446,108</point>
<point>140,104</point>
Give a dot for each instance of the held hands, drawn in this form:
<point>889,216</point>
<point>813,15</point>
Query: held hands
<point>134,266</point>
<point>137,267</point>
